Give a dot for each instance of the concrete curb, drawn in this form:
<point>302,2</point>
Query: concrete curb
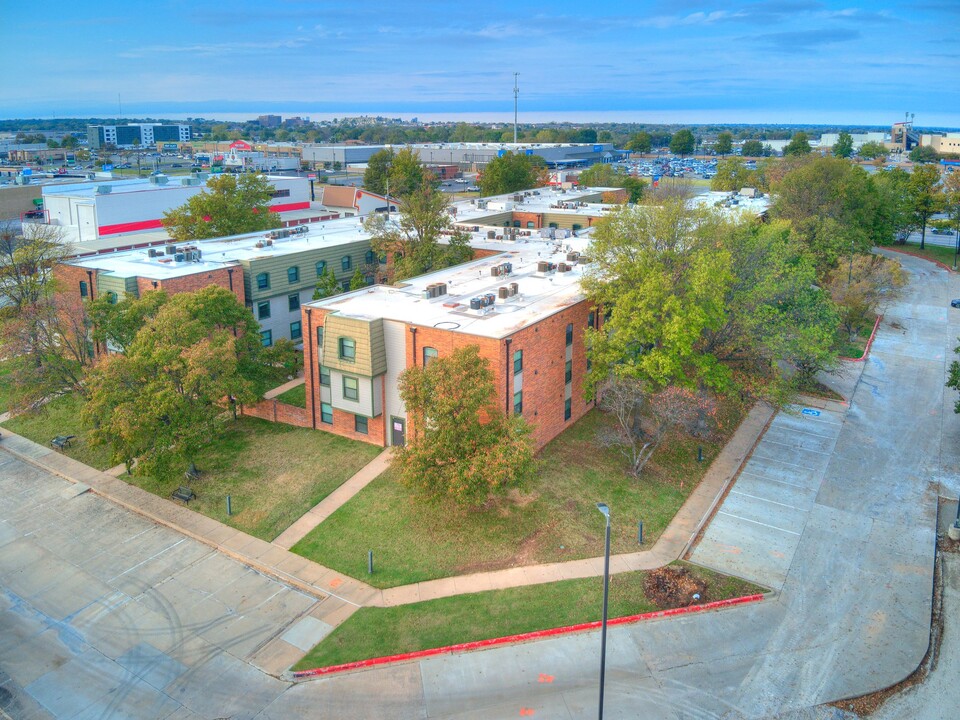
<point>866,350</point>
<point>917,255</point>
<point>523,637</point>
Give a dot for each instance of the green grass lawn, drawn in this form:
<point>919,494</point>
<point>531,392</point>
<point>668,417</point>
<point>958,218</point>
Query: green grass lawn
<point>61,416</point>
<point>273,473</point>
<point>5,387</point>
<point>294,396</point>
<point>553,519</point>
<point>377,632</point>
<point>931,252</point>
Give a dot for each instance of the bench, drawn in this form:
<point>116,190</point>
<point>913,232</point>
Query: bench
<point>62,441</point>
<point>184,493</point>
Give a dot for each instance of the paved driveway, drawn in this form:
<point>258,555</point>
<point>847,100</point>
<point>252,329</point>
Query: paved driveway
<point>104,614</point>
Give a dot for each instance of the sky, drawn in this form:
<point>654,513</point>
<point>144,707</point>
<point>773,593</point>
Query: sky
<point>853,62</point>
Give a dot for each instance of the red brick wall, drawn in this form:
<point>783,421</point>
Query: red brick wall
<point>343,424</point>
<point>200,280</point>
<point>276,411</point>
<point>68,279</point>
<point>525,217</point>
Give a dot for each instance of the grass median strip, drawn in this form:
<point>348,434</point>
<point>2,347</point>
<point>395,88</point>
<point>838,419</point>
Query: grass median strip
<point>379,632</point>
<point>294,396</point>
<point>553,519</point>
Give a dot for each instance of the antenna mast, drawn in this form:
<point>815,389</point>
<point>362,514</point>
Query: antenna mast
<point>516,96</point>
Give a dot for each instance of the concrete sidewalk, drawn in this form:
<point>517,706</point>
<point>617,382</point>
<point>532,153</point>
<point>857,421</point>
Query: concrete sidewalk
<point>297,381</point>
<point>672,544</point>
<point>334,501</point>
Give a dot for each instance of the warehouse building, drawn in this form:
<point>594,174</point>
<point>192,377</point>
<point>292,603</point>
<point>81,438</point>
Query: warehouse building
<point>93,210</point>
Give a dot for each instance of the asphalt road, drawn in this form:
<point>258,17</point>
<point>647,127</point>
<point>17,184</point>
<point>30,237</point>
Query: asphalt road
<point>113,617</point>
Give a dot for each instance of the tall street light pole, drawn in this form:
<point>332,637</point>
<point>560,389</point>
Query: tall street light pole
<point>602,507</point>
<point>516,97</point>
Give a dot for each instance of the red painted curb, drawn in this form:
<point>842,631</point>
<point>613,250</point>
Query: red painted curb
<point>948,268</point>
<point>536,635</point>
<point>866,350</point>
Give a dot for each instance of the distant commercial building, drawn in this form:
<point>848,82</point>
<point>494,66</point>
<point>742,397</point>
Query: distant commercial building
<point>142,135</point>
<point>945,143</point>
<point>269,121</point>
<point>93,210</point>
<point>828,140</point>
<point>466,155</point>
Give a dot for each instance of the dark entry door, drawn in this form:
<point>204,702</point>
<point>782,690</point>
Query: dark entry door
<point>398,431</point>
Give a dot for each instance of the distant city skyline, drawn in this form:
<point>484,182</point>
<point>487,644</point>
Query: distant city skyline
<point>653,61</point>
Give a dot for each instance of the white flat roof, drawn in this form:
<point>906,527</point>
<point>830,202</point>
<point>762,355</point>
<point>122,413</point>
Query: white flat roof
<point>174,182</point>
<point>538,296</point>
<point>224,252</point>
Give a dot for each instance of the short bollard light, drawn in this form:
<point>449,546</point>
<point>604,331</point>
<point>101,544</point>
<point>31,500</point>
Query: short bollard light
<point>229,509</point>
<point>699,453</point>
<point>640,532</point>
<point>370,562</point>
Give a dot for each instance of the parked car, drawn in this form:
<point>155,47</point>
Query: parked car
<point>955,303</point>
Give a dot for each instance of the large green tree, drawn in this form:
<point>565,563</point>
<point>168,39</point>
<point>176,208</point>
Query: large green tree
<point>683,142</point>
<point>230,205</point>
<point>462,447</point>
<point>799,144</point>
<point>871,150</point>
<point>412,238</point>
<point>833,207</point>
<point>166,397</point>
<point>733,174</point>
<point>724,144</point>
<point>926,196</point>
<point>752,148</point>
<point>641,142</point>
<point>116,324</point>
<point>844,145</point>
<point>662,276</point>
<point>511,172</point>
<point>607,175</point>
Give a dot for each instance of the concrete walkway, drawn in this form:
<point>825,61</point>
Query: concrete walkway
<point>334,501</point>
<point>672,544</point>
<point>297,381</point>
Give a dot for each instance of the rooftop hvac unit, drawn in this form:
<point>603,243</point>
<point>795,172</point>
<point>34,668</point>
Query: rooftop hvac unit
<point>179,257</point>
<point>573,257</point>
<point>514,289</point>
<point>426,294</point>
<point>258,245</point>
<point>563,267</point>
<point>441,289</point>
<point>489,299</point>
<point>495,271</point>
<point>491,234</point>
<point>503,293</point>
<point>269,242</point>
<point>542,266</point>
<point>151,252</point>
<point>170,249</point>
<point>476,303</point>
<point>583,259</point>
<point>104,189</point>
<point>198,253</point>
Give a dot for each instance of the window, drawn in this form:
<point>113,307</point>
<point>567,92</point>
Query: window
<point>351,388</point>
<point>516,223</point>
<point>326,413</point>
<point>293,302</point>
<point>324,376</point>
<point>370,258</point>
<point>266,337</point>
<point>592,319</point>
<point>263,281</point>
<point>347,349</point>
<point>569,334</point>
<point>83,288</point>
<point>518,402</point>
<point>280,193</point>
<point>346,262</point>
<point>263,310</point>
<point>429,354</point>
<point>360,424</point>
<point>566,409</point>
<point>553,225</point>
<point>531,224</point>
<point>296,331</point>
<point>518,362</point>
<point>293,274</point>
<point>321,267</point>
<point>568,371</point>
<point>576,227</point>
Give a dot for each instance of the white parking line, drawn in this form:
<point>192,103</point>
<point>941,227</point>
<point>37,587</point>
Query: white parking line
<point>782,482</point>
<point>804,432</point>
<point>772,502</point>
<point>756,522</point>
<point>785,462</point>
<point>796,447</point>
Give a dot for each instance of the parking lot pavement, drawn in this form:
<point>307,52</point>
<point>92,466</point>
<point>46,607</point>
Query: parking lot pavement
<point>106,614</point>
<point>756,531</point>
